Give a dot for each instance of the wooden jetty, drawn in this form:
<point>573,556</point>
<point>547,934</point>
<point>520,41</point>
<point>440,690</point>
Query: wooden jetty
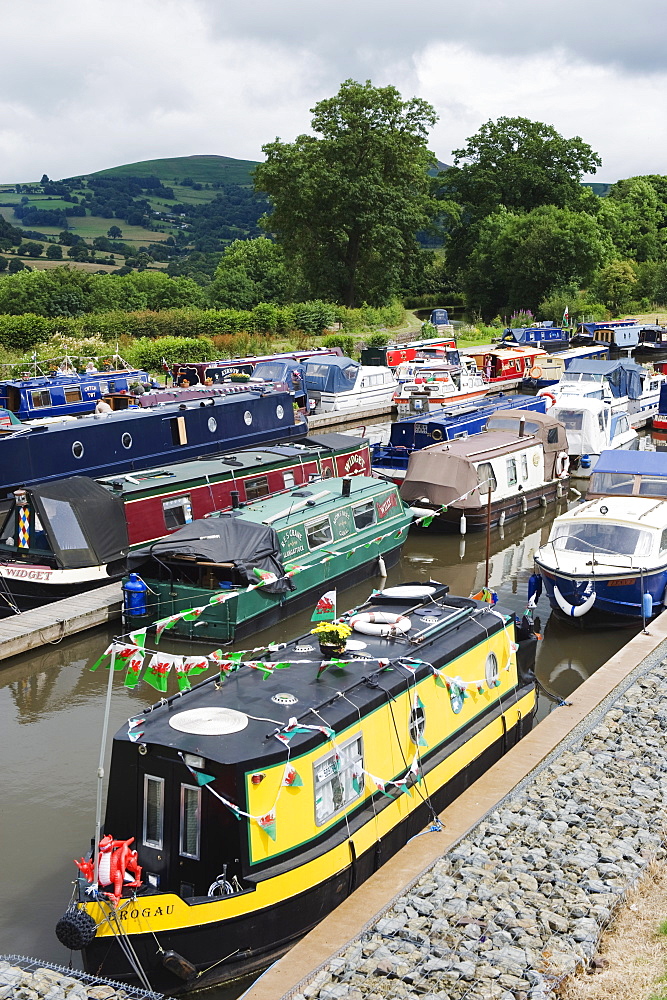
<point>32,629</point>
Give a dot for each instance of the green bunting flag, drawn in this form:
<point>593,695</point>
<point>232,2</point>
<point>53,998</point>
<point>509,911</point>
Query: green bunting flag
<point>427,522</point>
<point>158,669</point>
<point>202,779</point>
<point>123,651</point>
<point>134,665</point>
<point>265,576</point>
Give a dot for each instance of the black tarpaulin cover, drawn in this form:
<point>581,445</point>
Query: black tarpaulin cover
<point>228,538</point>
<point>84,522</point>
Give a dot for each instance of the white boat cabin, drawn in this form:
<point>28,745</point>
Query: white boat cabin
<point>339,383</point>
<point>592,426</point>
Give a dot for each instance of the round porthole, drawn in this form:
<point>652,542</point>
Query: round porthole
<point>77,449</point>
<point>212,425</point>
<point>280,413</point>
<point>247,416</point>
<point>126,440</point>
<point>491,670</point>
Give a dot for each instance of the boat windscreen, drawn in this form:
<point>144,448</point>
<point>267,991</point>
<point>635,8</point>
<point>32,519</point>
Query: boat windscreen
<point>602,537</point>
<point>571,420</point>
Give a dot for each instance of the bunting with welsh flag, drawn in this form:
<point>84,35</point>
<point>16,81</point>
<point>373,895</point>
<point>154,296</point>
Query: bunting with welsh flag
<point>325,609</point>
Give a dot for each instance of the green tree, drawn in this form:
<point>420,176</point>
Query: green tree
<point>519,259</point>
<point>250,272</point>
<point>115,233</point>
<point>54,252</point>
<point>516,164</point>
<point>348,201</point>
<point>31,249</point>
<point>616,284</point>
<point>634,214</point>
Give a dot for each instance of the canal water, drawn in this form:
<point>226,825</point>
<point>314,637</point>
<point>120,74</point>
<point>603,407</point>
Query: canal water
<point>51,711</point>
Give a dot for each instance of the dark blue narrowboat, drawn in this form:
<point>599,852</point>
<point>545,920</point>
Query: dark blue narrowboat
<point>101,444</point>
<point>544,335</point>
<point>447,424</point>
<point>65,393</point>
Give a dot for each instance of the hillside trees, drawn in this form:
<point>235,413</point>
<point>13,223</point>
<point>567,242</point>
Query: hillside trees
<point>516,166</point>
<point>348,201</point>
<point>250,272</point>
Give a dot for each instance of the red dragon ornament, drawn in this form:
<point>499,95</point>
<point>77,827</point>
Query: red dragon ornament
<point>115,861</point>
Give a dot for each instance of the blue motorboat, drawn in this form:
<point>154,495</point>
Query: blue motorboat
<point>66,391</point>
<point>191,425</point>
<point>607,559</point>
<point>446,424</point>
<point>629,473</point>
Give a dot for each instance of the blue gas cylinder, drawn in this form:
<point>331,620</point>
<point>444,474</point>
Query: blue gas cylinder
<point>134,595</point>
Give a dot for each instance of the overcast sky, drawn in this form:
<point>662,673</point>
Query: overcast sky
<point>88,84</point>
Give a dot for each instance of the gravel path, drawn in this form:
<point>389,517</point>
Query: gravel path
<point>521,902</point>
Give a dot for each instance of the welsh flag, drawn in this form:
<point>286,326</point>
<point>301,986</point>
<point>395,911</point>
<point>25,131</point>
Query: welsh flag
<point>291,777</point>
<point>268,823</point>
<point>265,576</point>
<point>325,609</point>
<point>566,316</point>
<point>158,670</point>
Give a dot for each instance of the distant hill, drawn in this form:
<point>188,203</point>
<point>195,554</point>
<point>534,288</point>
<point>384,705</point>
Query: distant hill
<point>204,169</point>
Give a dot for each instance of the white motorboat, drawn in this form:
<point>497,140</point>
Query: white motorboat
<point>592,426</point>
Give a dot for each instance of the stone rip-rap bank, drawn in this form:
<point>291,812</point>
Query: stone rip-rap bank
<point>522,900</point>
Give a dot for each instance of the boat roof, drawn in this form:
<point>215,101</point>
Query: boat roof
<point>574,401</point>
<point>582,366</point>
<point>653,463</point>
<point>239,462</point>
<point>335,698</point>
<point>510,350</point>
<point>483,446</point>
<point>638,512</point>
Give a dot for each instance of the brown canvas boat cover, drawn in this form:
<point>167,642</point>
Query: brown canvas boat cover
<point>447,473</point>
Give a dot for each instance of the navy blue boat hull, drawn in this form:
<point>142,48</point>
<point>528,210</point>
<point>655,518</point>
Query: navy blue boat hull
<point>105,444</point>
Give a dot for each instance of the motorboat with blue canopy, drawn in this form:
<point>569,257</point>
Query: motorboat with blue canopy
<point>630,473</point>
<point>627,386</point>
<point>339,383</point>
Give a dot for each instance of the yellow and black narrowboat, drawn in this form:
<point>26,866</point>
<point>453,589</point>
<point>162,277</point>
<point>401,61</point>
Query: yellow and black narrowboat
<point>259,799</point>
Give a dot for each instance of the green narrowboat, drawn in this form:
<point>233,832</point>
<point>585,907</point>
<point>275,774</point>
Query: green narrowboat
<point>226,576</point>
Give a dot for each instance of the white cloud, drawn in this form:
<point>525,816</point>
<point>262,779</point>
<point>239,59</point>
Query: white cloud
<point>89,84</point>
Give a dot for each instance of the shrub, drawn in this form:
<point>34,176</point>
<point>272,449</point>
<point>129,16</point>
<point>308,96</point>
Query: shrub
<point>376,340</point>
<point>148,353</point>
<point>345,342</point>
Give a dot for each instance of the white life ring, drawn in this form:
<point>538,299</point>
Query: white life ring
<point>562,465</point>
<point>381,623</point>
<point>535,372</point>
<point>408,593</point>
<point>548,395</point>
<point>572,610</point>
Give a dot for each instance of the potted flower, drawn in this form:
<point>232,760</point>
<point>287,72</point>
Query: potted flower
<point>332,637</point>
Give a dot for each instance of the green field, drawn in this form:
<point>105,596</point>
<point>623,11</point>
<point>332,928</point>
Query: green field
<point>202,169</point>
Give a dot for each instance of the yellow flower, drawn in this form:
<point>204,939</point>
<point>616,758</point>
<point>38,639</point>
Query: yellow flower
<point>332,631</point>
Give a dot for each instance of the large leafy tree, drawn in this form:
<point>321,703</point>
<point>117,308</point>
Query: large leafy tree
<point>516,164</point>
<point>348,201</point>
<point>519,259</point>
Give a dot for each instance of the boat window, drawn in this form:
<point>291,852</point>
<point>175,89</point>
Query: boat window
<point>288,480</point>
<point>319,370</point>
<point>7,533</point>
<point>350,373</point>
<point>177,512</point>
<point>619,483</point>
<point>179,434</point>
<point>552,435</point>
<point>364,514</point>
<point>73,395</point>
<point>319,532</point>
<point>271,371</point>
<point>524,467</point>
<point>601,421</point>
<point>257,487</point>
<point>153,811</point>
<point>190,820</point>
<point>40,397</point>
<point>417,724</point>
<point>602,537</point>
<point>511,471</point>
<point>486,477</point>
<point>653,486</point>
<point>64,524</point>
<point>663,542</point>
<point>338,779</point>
